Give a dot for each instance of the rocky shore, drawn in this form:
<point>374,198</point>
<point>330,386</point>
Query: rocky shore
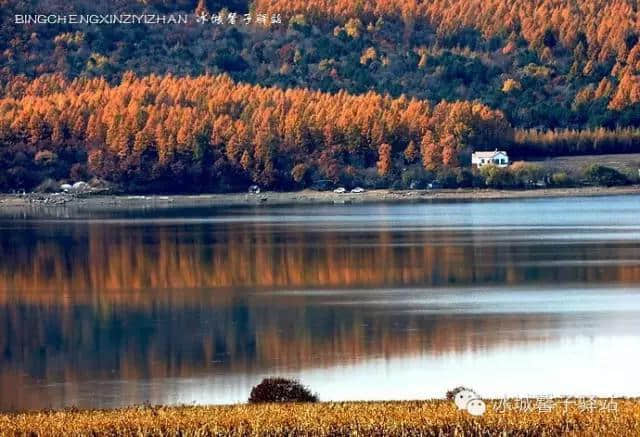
<point>97,200</point>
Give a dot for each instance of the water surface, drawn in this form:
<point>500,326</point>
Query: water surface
<point>403,301</point>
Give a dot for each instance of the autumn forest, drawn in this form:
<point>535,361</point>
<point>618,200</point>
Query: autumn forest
<point>379,93</point>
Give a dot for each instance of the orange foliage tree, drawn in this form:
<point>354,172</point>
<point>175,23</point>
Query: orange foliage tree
<point>211,133</point>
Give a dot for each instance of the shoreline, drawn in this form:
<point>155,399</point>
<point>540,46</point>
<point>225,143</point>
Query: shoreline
<point>305,197</point>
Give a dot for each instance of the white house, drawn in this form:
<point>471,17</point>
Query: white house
<point>498,158</point>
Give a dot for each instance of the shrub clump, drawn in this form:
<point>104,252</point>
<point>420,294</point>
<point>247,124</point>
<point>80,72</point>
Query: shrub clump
<point>561,179</point>
<point>606,176</point>
<point>451,394</point>
<point>281,390</point>
<point>497,177</point>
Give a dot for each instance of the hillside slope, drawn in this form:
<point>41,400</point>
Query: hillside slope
<point>546,64</point>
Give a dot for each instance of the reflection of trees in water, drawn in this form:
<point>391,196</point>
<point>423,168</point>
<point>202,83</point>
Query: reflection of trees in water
<point>90,257</point>
<point>44,344</point>
<point>51,342</point>
<point>86,301</point>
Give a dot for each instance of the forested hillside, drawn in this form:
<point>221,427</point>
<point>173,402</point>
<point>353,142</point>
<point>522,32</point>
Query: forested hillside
<point>211,133</point>
<point>547,64</point>
<point>203,106</point>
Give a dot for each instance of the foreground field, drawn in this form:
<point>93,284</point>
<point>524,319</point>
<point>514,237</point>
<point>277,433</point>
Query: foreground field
<point>437,418</point>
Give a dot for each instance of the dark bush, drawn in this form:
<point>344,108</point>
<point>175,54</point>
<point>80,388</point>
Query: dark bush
<point>561,179</point>
<point>601,175</point>
<point>416,177</point>
<point>464,178</point>
<point>281,390</point>
<point>447,178</point>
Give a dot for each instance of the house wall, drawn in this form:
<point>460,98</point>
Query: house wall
<point>475,160</point>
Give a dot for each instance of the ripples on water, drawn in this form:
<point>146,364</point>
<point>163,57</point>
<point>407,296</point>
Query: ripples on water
<point>103,309</point>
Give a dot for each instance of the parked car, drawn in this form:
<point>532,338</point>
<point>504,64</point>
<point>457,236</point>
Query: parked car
<point>254,189</point>
<point>358,190</point>
<point>340,190</point>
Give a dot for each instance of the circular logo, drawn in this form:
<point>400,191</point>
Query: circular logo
<point>470,401</point>
<point>463,397</point>
<point>476,407</point>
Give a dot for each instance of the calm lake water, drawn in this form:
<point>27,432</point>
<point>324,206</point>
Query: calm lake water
<point>512,298</point>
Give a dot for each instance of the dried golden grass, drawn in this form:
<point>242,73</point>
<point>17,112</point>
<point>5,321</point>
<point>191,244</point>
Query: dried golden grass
<point>436,418</point>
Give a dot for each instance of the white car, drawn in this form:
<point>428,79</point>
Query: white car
<point>358,190</point>
<point>340,190</point>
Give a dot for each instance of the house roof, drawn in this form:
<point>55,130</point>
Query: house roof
<point>489,155</point>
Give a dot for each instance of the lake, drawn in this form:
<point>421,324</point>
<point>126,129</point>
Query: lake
<point>360,302</point>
